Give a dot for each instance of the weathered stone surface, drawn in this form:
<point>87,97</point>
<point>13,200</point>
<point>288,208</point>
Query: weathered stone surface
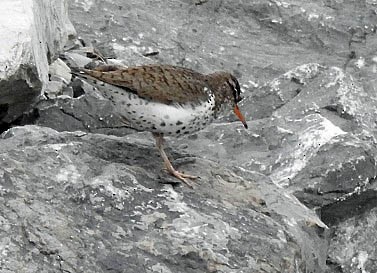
<point>32,32</point>
<point>308,70</point>
<point>89,113</point>
<point>318,143</point>
<point>92,203</point>
<point>352,247</point>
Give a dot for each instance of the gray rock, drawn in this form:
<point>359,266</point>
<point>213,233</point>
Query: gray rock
<point>313,127</point>
<point>89,202</point>
<point>352,245</point>
<point>29,42</point>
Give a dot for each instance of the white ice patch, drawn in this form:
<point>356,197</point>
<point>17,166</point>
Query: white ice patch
<point>319,132</point>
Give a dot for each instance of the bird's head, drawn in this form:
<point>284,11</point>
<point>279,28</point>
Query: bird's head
<point>226,90</point>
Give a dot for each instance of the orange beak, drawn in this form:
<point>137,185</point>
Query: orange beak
<point>240,116</point>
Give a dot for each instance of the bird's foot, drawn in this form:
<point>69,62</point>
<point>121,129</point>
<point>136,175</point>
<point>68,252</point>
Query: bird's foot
<point>169,167</point>
<point>182,176</point>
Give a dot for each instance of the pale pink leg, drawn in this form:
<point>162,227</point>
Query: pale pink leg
<point>168,165</point>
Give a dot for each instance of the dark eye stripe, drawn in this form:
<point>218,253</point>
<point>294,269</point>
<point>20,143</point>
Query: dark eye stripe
<point>234,90</point>
<point>235,86</point>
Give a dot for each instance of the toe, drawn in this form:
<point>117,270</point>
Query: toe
<point>189,176</point>
<point>181,177</point>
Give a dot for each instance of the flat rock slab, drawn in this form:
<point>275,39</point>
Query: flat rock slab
<point>88,202</point>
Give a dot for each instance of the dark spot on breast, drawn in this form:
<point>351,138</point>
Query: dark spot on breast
<point>162,124</point>
<point>178,131</point>
<point>153,127</point>
<point>144,120</point>
<point>141,116</point>
<point>179,122</point>
<point>134,112</point>
<point>183,128</point>
<point>129,104</point>
<point>186,132</point>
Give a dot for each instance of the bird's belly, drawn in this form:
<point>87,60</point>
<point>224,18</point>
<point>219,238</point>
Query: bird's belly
<point>145,115</point>
<point>173,119</point>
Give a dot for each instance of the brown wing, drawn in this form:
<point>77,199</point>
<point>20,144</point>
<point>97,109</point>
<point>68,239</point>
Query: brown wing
<point>162,83</point>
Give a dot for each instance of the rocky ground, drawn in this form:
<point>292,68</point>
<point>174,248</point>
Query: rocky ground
<point>295,192</point>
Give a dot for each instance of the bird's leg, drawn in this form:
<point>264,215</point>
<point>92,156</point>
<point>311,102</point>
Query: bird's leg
<point>168,165</point>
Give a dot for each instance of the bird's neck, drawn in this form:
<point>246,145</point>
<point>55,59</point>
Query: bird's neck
<point>215,82</point>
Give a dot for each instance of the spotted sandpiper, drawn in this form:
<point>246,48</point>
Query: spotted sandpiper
<point>166,100</point>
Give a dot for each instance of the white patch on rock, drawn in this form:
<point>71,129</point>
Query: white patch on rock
<point>68,174</point>
<point>304,72</point>
<point>285,131</point>
<point>118,47</point>
<point>349,94</point>
<point>60,70</point>
<point>14,38</point>
<point>360,63</point>
<point>30,31</point>
<point>86,4</point>
<point>207,234</point>
<point>361,259</point>
<point>160,268</point>
<point>338,76</point>
<point>117,172</point>
<point>318,132</point>
<point>59,146</point>
<point>313,16</point>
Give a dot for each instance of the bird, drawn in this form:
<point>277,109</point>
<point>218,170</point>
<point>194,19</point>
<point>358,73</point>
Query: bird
<point>165,100</point>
